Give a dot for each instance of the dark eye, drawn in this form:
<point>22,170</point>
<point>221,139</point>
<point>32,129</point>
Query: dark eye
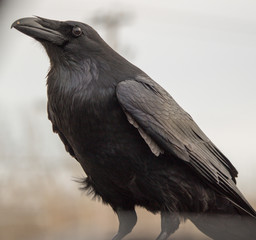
<point>76,31</point>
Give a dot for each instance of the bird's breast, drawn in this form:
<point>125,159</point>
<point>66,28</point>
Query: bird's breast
<point>93,122</point>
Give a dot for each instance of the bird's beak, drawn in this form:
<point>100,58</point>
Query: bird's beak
<point>41,29</point>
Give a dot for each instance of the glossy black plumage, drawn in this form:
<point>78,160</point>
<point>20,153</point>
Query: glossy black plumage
<point>137,146</point>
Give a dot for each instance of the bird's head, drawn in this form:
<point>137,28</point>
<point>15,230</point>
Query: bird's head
<point>67,40</point>
<point>76,45</point>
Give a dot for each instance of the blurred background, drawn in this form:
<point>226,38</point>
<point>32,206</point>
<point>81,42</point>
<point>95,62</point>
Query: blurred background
<point>202,52</point>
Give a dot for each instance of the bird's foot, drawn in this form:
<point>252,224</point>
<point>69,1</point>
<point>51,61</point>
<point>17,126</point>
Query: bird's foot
<point>163,236</point>
<point>127,220</point>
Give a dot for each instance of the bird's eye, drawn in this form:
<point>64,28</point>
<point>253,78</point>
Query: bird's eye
<point>76,31</point>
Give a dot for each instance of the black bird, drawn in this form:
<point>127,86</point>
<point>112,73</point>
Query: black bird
<point>137,146</point>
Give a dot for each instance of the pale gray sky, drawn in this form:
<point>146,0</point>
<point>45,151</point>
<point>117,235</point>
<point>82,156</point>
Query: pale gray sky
<point>202,52</point>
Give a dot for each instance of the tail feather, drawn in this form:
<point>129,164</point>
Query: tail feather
<point>227,221</point>
<point>223,227</point>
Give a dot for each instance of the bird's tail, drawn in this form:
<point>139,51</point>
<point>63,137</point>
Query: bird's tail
<point>228,222</point>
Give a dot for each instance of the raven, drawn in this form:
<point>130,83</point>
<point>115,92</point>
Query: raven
<point>137,146</point>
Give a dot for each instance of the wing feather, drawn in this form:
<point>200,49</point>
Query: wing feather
<point>155,113</point>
